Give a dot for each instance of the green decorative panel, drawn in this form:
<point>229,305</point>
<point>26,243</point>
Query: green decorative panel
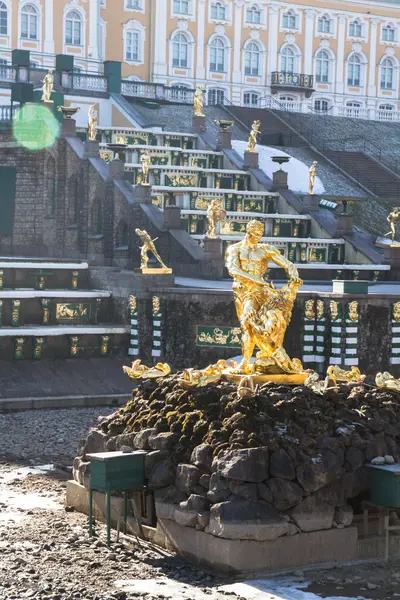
<point>74,311</point>
<point>159,160</point>
<point>38,343</point>
<point>22,92</point>
<point>318,255</point>
<point>198,162</point>
<point>229,227</point>
<point>112,70</point>
<point>157,200</point>
<point>252,205</point>
<point>141,140</point>
<point>223,337</point>
<point>64,62</point>
<point>19,348</point>
<point>46,310</point>
<point>334,254</point>
<point>197,224</point>
<point>20,58</point>
<point>16,307</point>
<point>8,179</point>
<point>105,339</point>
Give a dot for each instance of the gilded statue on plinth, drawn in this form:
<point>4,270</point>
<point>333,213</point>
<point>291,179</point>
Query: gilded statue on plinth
<point>215,214</point>
<point>393,219</point>
<point>311,178</point>
<point>148,246</point>
<point>252,143</point>
<point>47,88</point>
<point>198,103</point>
<point>145,161</point>
<point>263,311</point>
<point>92,123</point>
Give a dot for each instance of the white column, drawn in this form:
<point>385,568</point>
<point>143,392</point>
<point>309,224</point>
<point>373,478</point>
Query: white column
<point>308,44</point>
<point>48,27</point>
<point>340,55</point>
<point>160,40</point>
<point>200,69</point>
<point>94,29</point>
<point>272,40</point>
<point>372,58</point>
<point>237,42</point>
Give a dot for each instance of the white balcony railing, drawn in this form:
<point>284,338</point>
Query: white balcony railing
<point>7,73</point>
<point>86,81</point>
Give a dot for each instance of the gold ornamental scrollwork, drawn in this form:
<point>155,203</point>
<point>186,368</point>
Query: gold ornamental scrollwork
<point>396,311</point>
<point>334,306</point>
<point>320,309</point>
<point>156,302</point>
<point>310,310</point>
<point>353,311</point>
<point>132,303</point>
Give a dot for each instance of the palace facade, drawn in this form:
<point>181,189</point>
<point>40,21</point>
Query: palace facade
<point>335,56</point>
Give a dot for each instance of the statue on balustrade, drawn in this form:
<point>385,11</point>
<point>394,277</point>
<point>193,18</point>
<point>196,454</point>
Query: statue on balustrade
<point>215,214</point>
<point>92,123</point>
<point>393,219</point>
<point>148,246</point>
<point>47,88</point>
<point>311,178</point>
<point>198,102</point>
<point>145,161</point>
<point>255,130</point>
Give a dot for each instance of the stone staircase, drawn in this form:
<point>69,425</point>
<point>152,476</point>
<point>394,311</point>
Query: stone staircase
<point>47,310</point>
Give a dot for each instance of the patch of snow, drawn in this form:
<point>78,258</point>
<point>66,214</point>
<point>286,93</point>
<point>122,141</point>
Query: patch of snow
<point>297,171</point>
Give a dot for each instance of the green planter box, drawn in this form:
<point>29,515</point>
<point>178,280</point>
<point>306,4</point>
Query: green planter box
<point>385,485</point>
<point>115,471</point>
<point>350,287</point>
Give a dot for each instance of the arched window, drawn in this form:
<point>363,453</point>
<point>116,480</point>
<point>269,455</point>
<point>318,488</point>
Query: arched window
<point>180,50</point>
<point>251,99</point>
<point>217,55</point>
<point>97,217</point>
<point>386,112</point>
<point>29,22</point>
<point>322,67</point>
<point>218,11</point>
<point>73,28</point>
<point>387,71</point>
<point>51,185</point>
<point>3,19</point>
<point>73,198</point>
<point>216,97</point>
<point>252,59</point>
<point>253,15</point>
<point>288,60</point>
<point>321,106</point>
<point>388,33</point>
<point>353,109</point>
<point>132,45</point>
<point>122,237</point>
<point>355,29</point>
<point>289,20</point>
<point>324,24</point>
<point>354,71</point>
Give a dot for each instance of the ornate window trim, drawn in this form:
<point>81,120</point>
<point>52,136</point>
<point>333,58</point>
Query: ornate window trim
<point>134,26</point>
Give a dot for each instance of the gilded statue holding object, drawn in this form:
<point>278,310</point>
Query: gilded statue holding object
<point>215,214</point>
<point>148,246</point>
<point>145,160</point>
<point>198,102</point>
<point>47,88</point>
<point>311,178</point>
<point>263,311</point>
<point>252,143</point>
<point>393,219</point>
<point>92,123</point>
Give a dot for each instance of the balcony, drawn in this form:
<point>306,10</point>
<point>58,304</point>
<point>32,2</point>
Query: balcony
<point>281,80</point>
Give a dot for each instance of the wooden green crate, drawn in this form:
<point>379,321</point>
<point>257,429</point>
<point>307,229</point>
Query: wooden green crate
<point>385,485</point>
<point>116,471</point>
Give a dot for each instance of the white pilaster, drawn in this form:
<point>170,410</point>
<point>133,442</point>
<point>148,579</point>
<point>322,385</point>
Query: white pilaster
<point>272,40</point>
<point>48,27</point>
<point>340,55</point>
<point>94,30</point>
<point>200,69</point>
<point>237,44</point>
<point>372,58</point>
<point>309,38</point>
<point>160,41</point>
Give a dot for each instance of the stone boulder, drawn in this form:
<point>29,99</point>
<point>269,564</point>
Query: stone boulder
<point>248,491</point>
<point>96,442</point>
<point>319,471</point>
<point>219,491</point>
<point>281,465</point>
<point>264,493</point>
<point>244,520</point>
<point>163,441</point>
<point>313,513</point>
<point>151,459</point>
<point>354,459</point>
<point>187,478</point>
<point>249,464</point>
<point>162,474</point>
<point>343,515</point>
<point>285,494</point>
<point>202,457</point>
<point>196,503</point>
<point>141,440</point>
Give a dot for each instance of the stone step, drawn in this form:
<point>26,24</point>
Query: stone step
<point>58,330</point>
<point>19,293</point>
<point>43,274</point>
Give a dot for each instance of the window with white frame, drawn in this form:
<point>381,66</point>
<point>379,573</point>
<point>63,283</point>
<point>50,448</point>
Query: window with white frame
<point>29,22</point>
<point>216,97</point>
<point>355,29</point>
<point>217,55</point>
<point>288,60</point>
<point>289,20</point>
<point>321,106</point>
<point>253,15</point>
<point>251,99</point>
<point>180,48</point>
<point>324,24</point>
<point>386,107</point>
<point>354,70</point>
<point>3,19</point>
<point>387,71</point>
<point>218,11</point>
<point>132,46</point>
<point>252,59</point>
<point>181,7</point>
<point>322,67</point>
<point>388,33</point>
<point>134,4</point>
<point>73,28</point>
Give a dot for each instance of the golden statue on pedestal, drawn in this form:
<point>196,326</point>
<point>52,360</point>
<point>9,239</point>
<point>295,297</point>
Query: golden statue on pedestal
<point>255,130</point>
<point>393,219</point>
<point>263,311</point>
<point>47,88</point>
<point>92,123</point>
<point>148,246</point>
<point>311,177</point>
<point>215,214</point>
<point>198,102</point>
<point>145,161</point>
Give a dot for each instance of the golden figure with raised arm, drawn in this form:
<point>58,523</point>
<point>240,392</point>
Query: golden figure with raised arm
<point>148,246</point>
<point>393,218</point>
<point>198,102</point>
<point>47,88</point>
<point>263,311</point>
<point>252,143</point>
<point>92,123</point>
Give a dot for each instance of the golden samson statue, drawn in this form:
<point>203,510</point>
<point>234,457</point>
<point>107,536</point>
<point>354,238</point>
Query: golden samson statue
<point>263,311</point>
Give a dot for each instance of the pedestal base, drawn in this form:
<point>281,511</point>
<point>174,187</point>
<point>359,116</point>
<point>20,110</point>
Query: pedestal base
<point>279,180</point>
<point>68,128</point>
<point>149,271</point>
<point>344,225</point>
<point>143,193</point>
<point>250,160</point>
<point>259,379</point>
<point>224,141</point>
<point>198,124</point>
<point>91,149</point>
<point>310,202</point>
